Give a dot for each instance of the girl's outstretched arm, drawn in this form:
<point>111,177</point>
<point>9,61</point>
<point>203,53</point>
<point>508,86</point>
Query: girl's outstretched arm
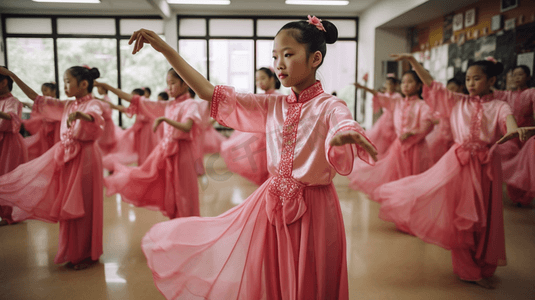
<point>352,137</point>
<point>25,88</point>
<point>186,126</point>
<point>5,116</point>
<point>78,115</point>
<point>513,131</point>
<point>426,78</point>
<point>123,95</point>
<point>367,89</point>
<point>193,79</point>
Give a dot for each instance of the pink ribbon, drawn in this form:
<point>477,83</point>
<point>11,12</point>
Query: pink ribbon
<point>316,22</point>
<point>491,59</point>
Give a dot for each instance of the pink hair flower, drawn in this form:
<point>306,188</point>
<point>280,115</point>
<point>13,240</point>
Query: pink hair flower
<point>492,59</point>
<point>86,66</point>
<point>316,22</point>
<point>390,75</point>
<point>365,77</point>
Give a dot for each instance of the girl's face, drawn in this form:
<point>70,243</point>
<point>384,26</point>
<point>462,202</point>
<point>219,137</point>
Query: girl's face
<point>477,82</point>
<point>520,78</point>
<point>72,87</point>
<point>264,82</point>
<point>452,86</point>
<point>409,86</point>
<point>147,95</point>
<point>390,86</point>
<point>291,63</point>
<point>46,91</point>
<point>176,86</point>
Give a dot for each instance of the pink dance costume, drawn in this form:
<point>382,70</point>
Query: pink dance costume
<point>167,180</point>
<point>245,154</point>
<point>145,140</point>
<point>12,148</point>
<point>44,134</point>
<point>286,240</point>
<point>410,157</point>
<point>65,183</point>
<point>212,140</point>
<point>382,133</point>
<point>457,204</point>
<point>440,139</point>
<point>519,174</point>
<point>523,105</point>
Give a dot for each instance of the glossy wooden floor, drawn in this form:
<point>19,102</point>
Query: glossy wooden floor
<point>383,263</point>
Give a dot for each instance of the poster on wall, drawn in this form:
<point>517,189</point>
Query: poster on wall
<point>508,5</point>
<point>458,22</point>
<point>470,18</point>
<point>447,30</point>
<point>509,24</point>
<point>525,59</point>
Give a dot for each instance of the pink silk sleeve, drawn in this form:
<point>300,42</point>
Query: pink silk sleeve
<point>50,107</point>
<point>14,109</point>
<point>241,111</point>
<point>152,109</point>
<point>440,99</point>
<point>89,131</point>
<point>384,100</point>
<point>189,111</point>
<point>341,157</point>
<point>503,112</point>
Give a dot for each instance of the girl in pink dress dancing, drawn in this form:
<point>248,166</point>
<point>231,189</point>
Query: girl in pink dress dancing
<point>286,240</point>
<point>167,180</point>
<point>409,153</point>
<point>382,133</point>
<point>12,148</point>
<point>65,183</point>
<point>457,203</point>
<point>522,101</point>
<point>245,153</point>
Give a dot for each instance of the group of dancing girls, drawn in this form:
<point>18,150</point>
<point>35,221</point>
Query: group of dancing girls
<point>287,239</point>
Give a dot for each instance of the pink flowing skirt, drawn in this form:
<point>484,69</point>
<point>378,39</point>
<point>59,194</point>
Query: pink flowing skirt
<point>245,154</point>
<point>145,140</point>
<point>212,140</point>
<point>455,204</point>
<point>42,139</point>
<point>241,255</point>
<point>166,182</point>
<point>70,193</point>
<point>401,160</point>
<point>519,173</point>
<point>123,152</point>
<point>382,133</point>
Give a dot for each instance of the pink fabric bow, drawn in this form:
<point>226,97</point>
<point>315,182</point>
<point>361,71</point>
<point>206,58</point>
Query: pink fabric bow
<point>365,77</point>
<point>492,59</point>
<point>316,22</point>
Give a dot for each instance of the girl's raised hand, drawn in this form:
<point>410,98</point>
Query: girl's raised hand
<point>401,56</point>
<point>523,133</point>
<point>352,137</point>
<point>144,36</point>
<point>157,123</point>
<point>4,71</point>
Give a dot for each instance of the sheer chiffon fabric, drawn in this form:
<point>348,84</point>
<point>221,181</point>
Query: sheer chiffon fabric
<point>64,184</point>
<point>44,132</point>
<point>167,180</point>
<point>382,133</point>
<point>457,203</point>
<point>13,150</point>
<point>440,138</point>
<point>212,140</point>
<point>286,240</point>
<point>403,158</point>
<point>519,174</point>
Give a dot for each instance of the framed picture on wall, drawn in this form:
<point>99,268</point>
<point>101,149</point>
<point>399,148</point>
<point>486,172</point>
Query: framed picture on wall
<point>496,23</point>
<point>508,5</point>
<point>470,18</point>
<point>458,22</point>
<point>509,24</point>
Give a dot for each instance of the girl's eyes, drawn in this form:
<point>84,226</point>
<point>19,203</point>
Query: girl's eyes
<point>287,55</point>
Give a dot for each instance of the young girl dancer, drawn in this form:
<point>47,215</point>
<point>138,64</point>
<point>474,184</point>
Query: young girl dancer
<point>44,131</point>
<point>383,134</point>
<point>409,153</point>
<point>522,101</point>
<point>65,183</point>
<point>457,203</point>
<point>287,240</point>
<point>167,180</point>
<point>245,153</point>
<point>12,149</point>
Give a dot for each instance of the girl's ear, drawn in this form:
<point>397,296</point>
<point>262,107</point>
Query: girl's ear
<point>317,58</point>
<point>492,80</point>
<point>84,84</point>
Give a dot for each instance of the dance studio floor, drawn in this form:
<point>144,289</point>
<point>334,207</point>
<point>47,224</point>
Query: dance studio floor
<point>383,263</point>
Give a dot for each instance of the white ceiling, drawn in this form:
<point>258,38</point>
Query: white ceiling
<point>137,7</point>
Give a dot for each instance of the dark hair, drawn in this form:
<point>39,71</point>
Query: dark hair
<point>147,89</point>
<point>139,92</point>
<point>456,81</point>
<point>164,95</point>
<point>524,68</point>
<point>490,68</point>
<point>393,80</point>
<point>191,92</point>
<point>271,74</point>
<point>9,81</point>
<point>50,85</point>
<point>416,78</point>
<point>174,73</point>
<point>83,73</point>
<point>310,35</point>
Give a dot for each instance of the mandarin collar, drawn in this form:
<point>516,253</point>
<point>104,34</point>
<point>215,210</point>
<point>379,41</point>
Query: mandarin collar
<point>272,91</point>
<point>411,98</point>
<point>485,98</point>
<point>8,95</point>
<point>182,97</point>
<point>307,94</point>
<point>85,98</point>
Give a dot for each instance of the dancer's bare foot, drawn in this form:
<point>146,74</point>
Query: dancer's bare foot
<point>3,223</point>
<point>84,264</point>
<point>486,283</point>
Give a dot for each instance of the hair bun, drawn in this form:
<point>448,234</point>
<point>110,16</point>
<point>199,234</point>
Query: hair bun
<point>498,68</point>
<point>94,73</point>
<point>331,32</point>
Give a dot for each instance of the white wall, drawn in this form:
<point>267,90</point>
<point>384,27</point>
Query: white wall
<point>376,44</point>
<point>2,46</point>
